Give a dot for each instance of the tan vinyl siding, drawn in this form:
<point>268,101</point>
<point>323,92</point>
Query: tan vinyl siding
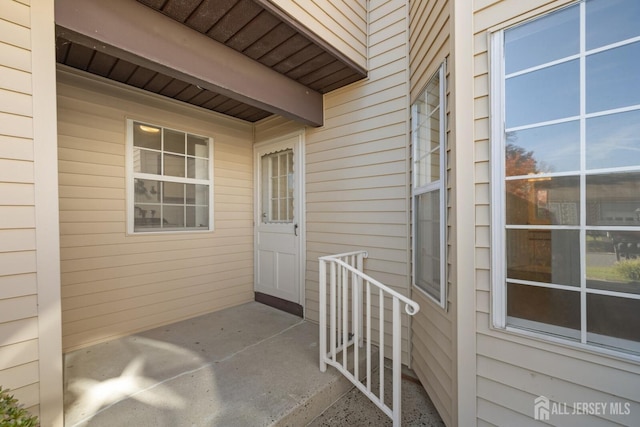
<point>432,361</point>
<point>430,30</point>
<point>356,165</point>
<point>341,23</point>
<point>19,362</point>
<point>512,369</point>
<point>433,328</point>
<point>274,127</point>
<point>115,284</point>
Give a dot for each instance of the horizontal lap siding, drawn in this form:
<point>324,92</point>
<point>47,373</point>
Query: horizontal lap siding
<point>341,23</point>
<point>356,166</point>
<point>114,284</point>
<point>513,370</point>
<point>433,327</point>
<point>19,361</point>
<point>432,361</point>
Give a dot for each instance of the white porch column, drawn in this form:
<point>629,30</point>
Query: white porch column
<point>45,142</point>
<point>464,222</point>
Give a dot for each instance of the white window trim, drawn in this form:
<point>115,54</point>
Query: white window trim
<point>130,175</point>
<point>441,185</point>
<point>498,307</point>
<point>498,217</point>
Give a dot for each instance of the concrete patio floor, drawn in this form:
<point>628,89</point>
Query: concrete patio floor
<point>250,365</point>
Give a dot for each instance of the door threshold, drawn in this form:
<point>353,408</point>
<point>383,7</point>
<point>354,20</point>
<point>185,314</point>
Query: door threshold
<point>280,304</point>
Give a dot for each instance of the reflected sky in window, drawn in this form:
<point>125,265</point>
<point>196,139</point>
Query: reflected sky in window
<point>613,140</point>
<point>610,21</point>
<point>547,94</point>
<point>553,37</point>
<point>554,148</point>
<point>613,78</point>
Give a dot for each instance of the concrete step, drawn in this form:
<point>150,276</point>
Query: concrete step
<point>355,409</point>
<point>328,393</point>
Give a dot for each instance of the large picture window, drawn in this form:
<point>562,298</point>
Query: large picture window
<point>429,222</point>
<point>170,175</point>
<point>566,182</point>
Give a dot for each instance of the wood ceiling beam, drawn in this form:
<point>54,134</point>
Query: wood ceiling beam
<point>145,37</point>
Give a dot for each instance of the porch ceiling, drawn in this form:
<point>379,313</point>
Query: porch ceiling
<point>265,37</point>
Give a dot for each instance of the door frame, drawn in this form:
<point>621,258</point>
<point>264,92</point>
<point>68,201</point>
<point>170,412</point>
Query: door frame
<point>278,143</point>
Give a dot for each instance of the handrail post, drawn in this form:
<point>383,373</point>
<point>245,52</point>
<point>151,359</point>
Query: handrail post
<point>396,362</point>
<point>360,267</point>
<point>323,315</point>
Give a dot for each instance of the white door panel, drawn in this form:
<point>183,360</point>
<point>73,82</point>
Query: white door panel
<point>278,209</point>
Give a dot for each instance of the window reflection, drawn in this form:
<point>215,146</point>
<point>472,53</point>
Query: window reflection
<point>197,168</point>
<point>173,192</point>
<point>554,148</point>
<point>173,216</point>
<point>173,165</point>
<point>547,256</point>
<point>146,161</point>
<point>547,94</point>
<point>613,140</point>
<point>613,322</point>
<point>549,310</point>
<point>610,21</point>
<point>428,242</point>
<point>426,134</point>
<point>197,216</point>
<point>545,40</point>
<point>548,201</point>
<point>147,215</point>
<point>197,146</point>
<point>277,187</point>
<point>146,136</point>
<point>613,78</point>
<point>613,260</point>
<point>174,141</point>
<point>613,199</point>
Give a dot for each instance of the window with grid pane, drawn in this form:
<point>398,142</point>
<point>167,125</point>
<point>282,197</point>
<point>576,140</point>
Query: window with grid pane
<point>171,179</point>
<point>427,136</point>
<point>567,193</point>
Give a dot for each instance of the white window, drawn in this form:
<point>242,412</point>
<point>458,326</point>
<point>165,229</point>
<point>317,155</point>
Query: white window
<point>566,193</point>
<point>170,175</point>
<point>429,221</point>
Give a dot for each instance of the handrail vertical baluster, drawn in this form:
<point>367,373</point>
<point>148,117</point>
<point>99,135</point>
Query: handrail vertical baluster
<point>323,315</point>
<point>360,267</point>
<point>368,285</point>
<point>357,320</point>
<point>339,304</point>
<point>332,310</point>
<point>345,316</point>
<point>381,340</point>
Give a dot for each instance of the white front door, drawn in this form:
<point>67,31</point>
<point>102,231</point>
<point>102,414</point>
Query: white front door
<point>278,166</point>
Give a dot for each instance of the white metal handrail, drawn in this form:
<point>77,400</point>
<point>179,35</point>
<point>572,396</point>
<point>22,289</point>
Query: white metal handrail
<point>350,292</point>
